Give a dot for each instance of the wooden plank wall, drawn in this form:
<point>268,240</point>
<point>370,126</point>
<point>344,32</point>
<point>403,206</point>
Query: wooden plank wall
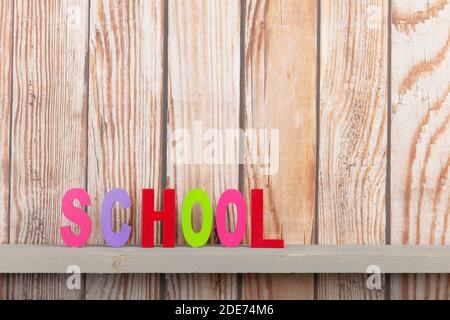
<point>125,124</point>
<point>203,94</point>
<point>353,133</point>
<point>420,137</point>
<point>48,134</point>
<point>280,61</point>
<point>6,42</point>
<point>91,91</point>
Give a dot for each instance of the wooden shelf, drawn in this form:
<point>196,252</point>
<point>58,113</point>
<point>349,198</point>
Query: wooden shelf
<point>215,259</point>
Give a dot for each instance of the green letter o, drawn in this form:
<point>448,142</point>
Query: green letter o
<point>196,239</point>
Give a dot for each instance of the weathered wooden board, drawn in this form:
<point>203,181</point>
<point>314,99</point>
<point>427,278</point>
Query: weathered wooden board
<point>6,40</point>
<point>49,119</point>
<point>6,26</point>
<point>125,124</point>
<point>204,70</point>
<point>297,259</point>
<point>81,98</point>
<point>280,100</point>
<point>420,137</point>
<point>353,134</point>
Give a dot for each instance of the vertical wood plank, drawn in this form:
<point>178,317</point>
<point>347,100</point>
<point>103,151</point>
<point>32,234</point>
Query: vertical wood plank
<point>353,134</point>
<point>204,69</point>
<point>6,41</point>
<point>420,137</point>
<point>48,129</point>
<point>280,94</point>
<point>125,124</point>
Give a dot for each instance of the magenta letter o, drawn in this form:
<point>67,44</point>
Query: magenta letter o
<point>229,239</point>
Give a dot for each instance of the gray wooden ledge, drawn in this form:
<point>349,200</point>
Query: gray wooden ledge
<point>217,259</point>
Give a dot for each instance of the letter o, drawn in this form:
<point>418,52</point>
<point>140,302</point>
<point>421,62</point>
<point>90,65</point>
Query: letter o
<point>196,239</point>
<point>231,239</point>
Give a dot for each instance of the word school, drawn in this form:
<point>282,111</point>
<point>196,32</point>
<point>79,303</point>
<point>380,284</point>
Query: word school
<point>167,218</point>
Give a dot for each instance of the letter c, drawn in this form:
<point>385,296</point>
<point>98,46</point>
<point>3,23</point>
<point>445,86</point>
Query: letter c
<point>112,238</point>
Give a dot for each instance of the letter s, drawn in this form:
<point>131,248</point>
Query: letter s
<point>77,216</point>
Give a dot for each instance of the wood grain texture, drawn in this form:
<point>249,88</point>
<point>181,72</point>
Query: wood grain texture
<point>353,134</point>
<point>280,94</point>
<point>125,124</point>
<point>420,137</point>
<point>6,41</point>
<point>298,259</point>
<point>204,67</point>
<point>122,286</point>
<point>48,128</point>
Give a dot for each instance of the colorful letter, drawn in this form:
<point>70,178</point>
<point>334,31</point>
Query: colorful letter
<point>77,216</point>
<point>257,237</point>
<point>149,216</point>
<point>196,239</point>
<point>115,239</point>
<point>226,238</point>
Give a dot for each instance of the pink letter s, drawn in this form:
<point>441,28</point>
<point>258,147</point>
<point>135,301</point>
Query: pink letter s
<point>77,216</point>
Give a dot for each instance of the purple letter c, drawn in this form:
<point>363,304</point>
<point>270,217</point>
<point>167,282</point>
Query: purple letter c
<point>115,239</point>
